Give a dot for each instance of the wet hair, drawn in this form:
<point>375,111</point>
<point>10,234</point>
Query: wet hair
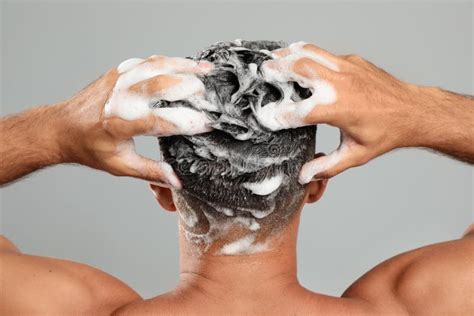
<point>218,169</point>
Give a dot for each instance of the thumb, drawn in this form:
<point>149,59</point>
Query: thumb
<point>324,167</point>
<point>137,166</point>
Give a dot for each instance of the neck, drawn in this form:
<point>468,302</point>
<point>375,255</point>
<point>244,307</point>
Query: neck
<point>253,275</point>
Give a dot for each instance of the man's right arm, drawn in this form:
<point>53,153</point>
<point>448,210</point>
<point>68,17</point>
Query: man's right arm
<point>80,129</point>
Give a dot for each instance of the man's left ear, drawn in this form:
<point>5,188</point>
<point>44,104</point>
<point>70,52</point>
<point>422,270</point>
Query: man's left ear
<point>164,196</point>
<point>316,190</point>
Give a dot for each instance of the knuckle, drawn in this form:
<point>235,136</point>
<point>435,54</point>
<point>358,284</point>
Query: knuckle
<point>302,62</point>
<point>352,57</point>
<point>305,67</point>
<point>109,126</point>
<point>157,58</point>
<point>355,59</point>
<point>360,158</point>
<point>348,79</point>
<point>114,171</point>
<point>310,46</point>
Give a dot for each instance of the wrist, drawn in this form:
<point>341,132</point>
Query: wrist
<point>436,115</point>
<point>58,133</point>
<point>423,110</point>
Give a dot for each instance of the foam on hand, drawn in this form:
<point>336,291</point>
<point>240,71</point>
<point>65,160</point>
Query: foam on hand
<point>138,88</point>
<point>289,113</point>
<point>316,166</point>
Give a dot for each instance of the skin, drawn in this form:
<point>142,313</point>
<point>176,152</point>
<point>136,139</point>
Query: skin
<point>437,279</point>
<point>433,280</point>
<point>375,111</point>
<point>77,131</point>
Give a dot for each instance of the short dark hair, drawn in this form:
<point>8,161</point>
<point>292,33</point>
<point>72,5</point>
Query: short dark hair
<point>216,168</point>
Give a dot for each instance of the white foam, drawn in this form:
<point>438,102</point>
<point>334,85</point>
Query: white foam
<point>298,49</point>
<point>186,121</point>
<point>265,187</point>
<point>189,217</point>
<point>239,246</point>
<point>253,68</point>
<point>227,211</point>
<point>287,113</point>
<point>245,245</point>
<point>314,167</point>
<point>132,104</point>
<point>216,229</point>
<point>128,64</point>
<point>248,222</point>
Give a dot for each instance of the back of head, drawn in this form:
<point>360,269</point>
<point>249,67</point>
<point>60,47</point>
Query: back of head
<point>241,176</point>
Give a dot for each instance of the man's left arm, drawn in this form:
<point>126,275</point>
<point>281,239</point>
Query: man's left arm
<point>437,279</point>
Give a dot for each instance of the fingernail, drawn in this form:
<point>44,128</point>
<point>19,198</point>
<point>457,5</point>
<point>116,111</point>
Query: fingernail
<point>170,176</point>
<point>174,181</point>
<point>205,66</point>
<point>161,184</point>
<point>303,179</point>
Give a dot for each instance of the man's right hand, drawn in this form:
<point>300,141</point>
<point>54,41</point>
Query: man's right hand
<point>96,126</point>
<point>375,112</point>
<point>104,117</point>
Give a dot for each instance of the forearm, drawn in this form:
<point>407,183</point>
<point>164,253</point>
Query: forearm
<point>446,124</point>
<point>29,141</point>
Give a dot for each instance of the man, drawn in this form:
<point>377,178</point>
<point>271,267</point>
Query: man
<point>239,205</point>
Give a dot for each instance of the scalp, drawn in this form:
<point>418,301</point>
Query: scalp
<point>240,170</point>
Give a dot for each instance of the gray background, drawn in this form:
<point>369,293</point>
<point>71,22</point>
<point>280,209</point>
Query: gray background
<point>404,200</point>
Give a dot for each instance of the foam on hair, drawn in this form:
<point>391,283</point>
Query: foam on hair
<point>240,174</point>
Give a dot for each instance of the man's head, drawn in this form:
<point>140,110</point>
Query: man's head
<point>240,180</point>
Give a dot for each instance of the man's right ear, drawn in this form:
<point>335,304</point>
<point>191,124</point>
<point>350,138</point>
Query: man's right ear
<point>164,196</point>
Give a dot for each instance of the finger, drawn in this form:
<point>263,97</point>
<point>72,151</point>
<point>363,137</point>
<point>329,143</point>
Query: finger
<point>313,110</point>
<point>134,165</point>
<point>175,87</point>
<point>354,59</point>
<point>318,54</point>
<point>324,167</point>
<point>166,64</point>
<point>177,64</point>
<point>160,122</point>
<point>290,114</point>
<point>126,129</point>
<point>181,120</point>
<point>303,70</point>
<point>128,64</point>
<point>133,70</point>
<point>281,52</point>
<point>161,85</point>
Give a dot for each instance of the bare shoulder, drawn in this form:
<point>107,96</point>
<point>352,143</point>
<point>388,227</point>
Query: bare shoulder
<point>33,285</point>
<point>436,280</point>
